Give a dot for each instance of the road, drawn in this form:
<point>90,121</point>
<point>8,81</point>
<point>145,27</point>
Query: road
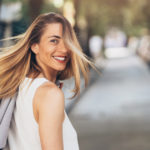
<point>114,111</point>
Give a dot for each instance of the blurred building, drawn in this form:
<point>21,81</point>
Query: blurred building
<point>9,13</point>
<point>95,45</point>
<point>115,38</point>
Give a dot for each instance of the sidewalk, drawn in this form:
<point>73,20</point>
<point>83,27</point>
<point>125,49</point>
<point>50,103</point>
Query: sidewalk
<point>114,112</point>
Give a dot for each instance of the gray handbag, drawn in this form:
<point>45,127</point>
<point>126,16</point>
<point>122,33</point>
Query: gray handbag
<point>6,110</point>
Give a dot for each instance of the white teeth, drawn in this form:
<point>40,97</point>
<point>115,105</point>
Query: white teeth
<point>60,58</point>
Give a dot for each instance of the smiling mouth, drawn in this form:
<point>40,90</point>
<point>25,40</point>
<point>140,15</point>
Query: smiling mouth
<point>60,58</point>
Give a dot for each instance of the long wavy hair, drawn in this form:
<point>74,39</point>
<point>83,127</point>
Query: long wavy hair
<point>18,60</point>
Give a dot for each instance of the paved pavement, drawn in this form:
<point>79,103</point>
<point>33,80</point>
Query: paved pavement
<point>114,111</point>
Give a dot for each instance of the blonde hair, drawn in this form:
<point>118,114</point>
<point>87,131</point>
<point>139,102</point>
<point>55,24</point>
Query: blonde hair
<point>18,60</point>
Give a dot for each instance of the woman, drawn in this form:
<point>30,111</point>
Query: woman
<point>46,52</point>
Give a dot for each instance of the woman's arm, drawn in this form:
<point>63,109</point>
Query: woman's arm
<point>50,108</point>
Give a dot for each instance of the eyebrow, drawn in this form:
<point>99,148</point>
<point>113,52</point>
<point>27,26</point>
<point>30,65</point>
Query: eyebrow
<point>55,36</point>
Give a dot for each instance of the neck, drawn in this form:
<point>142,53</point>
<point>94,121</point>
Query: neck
<point>50,74</point>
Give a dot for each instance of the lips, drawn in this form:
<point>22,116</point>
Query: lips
<point>60,59</point>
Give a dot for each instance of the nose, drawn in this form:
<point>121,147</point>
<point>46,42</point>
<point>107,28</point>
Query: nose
<point>62,47</point>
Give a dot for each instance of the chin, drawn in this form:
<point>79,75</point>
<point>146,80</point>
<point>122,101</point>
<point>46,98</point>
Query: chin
<point>60,68</point>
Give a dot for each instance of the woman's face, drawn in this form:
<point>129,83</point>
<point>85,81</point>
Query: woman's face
<point>51,52</point>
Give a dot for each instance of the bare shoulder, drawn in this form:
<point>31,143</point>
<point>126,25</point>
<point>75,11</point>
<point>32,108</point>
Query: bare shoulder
<point>50,115</point>
<point>48,97</point>
<point>48,91</point>
<point>49,88</point>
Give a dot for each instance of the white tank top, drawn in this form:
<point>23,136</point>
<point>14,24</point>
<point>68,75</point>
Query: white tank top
<point>23,132</point>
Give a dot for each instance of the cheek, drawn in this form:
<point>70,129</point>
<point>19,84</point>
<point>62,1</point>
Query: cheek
<point>47,51</point>
<point>42,55</point>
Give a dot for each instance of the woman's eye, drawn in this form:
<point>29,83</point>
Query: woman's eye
<point>54,41</point>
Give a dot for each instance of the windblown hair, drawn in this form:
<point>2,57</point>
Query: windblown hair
<point>18,60</point>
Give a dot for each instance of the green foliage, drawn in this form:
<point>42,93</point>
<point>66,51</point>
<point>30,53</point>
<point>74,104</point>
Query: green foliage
<point>129,15</point>
<point>49,7</point>
<point>9,1</point>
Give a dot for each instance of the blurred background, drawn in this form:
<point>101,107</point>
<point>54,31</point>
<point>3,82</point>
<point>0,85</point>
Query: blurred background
<point>113,112</point>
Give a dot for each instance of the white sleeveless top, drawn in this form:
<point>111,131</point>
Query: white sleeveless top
<point>23,132</point>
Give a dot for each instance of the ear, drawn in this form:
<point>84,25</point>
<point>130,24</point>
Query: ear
<point>35,48</point>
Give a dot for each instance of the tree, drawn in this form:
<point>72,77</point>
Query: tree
<point>35,8</point>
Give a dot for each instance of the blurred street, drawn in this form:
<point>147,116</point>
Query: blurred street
<point>114,111</point>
